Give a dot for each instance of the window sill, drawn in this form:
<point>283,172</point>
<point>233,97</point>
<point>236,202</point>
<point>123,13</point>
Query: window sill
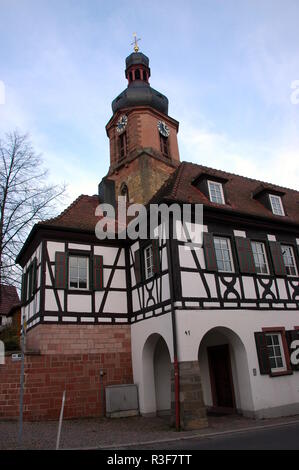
<point>281,373</point>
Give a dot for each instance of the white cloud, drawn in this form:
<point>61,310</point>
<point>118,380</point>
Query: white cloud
<point>276,164</point>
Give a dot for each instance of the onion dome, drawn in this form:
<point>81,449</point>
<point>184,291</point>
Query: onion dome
<point>139,92</point>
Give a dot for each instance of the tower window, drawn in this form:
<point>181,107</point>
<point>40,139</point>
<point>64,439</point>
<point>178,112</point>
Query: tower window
<point>124,191</point>
<point>164,145</point>
<point>144,75</point>
<point>131,76</point>
<point>137,74</point>
<point>122,146</point>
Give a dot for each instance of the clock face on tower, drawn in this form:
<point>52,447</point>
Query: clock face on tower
<point>121,123</point>
<point>163,128</point>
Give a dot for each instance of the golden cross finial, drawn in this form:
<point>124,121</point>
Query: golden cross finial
<point>135,43</point>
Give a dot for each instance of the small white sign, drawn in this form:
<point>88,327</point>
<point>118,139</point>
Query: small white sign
<point>16,357</point>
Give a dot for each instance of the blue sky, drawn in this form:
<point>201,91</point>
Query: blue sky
<point>226,67</point>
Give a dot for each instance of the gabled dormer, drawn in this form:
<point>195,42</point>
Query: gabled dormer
<point>212,186</point>
<point>271,198</point>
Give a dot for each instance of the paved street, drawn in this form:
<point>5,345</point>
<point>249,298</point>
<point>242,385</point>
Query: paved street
<point>280,438</point>
<point>152,433</point>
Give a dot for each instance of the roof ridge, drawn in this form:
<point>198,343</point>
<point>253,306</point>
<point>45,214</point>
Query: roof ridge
<point>75,201</point>
<point>178,178</point>
<point>241,176</point>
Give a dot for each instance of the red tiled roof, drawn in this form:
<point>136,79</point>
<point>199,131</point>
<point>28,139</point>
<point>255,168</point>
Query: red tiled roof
<point>8,298</point>
<point>239,192</point>
<point>80,215</point>
<point>180,187</point>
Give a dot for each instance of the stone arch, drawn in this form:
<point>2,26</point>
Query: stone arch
<point>156,365</point>
<point>228,340</point>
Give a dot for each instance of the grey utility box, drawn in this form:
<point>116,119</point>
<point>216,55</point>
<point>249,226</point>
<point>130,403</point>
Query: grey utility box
<point>121,401</point>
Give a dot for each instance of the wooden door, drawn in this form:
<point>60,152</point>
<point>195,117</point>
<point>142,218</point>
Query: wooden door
<point>221,378</point>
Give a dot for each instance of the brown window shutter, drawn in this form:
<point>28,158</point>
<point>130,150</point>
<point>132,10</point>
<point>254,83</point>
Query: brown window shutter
<point>98,273</point>
<point>34,275</point>
<point>24,287</point>
<point>209,251</point>
<point>278,264</point>
<point>292,335</point>
<point>176,272</point>
<point>245,255</point>
<point>262,353</point>
<point>30,274</point>
<point>156,255</point>
<point>137,266</point>
<point>60,270</point>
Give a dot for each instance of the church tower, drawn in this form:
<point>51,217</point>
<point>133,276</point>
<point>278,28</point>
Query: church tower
<point>143,137</point>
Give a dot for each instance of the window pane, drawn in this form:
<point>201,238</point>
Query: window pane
<point>78,272</point>
<point>279,362</point>
<point>223,254</point>
<point>289,260</point>
<point>276,205</point>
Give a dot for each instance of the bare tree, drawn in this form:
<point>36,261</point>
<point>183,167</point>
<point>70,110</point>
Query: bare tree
<point>25,198</point>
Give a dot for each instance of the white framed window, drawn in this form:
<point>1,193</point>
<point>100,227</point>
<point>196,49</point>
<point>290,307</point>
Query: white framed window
<point>260,257</point>
<point>276,204</point>
<point>148,262</point>
<point>216,192</point>
<point>224,256</point>
<point>289,260</point>
<point>276,352</point>
<point>78,272</point>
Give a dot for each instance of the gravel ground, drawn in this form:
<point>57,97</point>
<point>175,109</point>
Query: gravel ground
<point>114,433</point>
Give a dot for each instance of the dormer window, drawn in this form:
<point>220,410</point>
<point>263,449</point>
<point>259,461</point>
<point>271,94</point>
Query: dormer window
<point>276,204</point>
<point>216,192</point>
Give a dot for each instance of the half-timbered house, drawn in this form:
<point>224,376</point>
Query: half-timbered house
<point>198,326</point>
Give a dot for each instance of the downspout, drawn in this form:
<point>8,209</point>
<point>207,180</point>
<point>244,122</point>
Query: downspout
<point>174,336</point>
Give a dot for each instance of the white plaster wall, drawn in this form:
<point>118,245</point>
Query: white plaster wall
<point>266,392</point>
<point>34,306</point>
<point>52,247</point>
<point>109,253</point>
<point>79,303</point>
<point>140,332</point>
<point>78,246</point>
<point>162,372</point>
<point>116,302</point>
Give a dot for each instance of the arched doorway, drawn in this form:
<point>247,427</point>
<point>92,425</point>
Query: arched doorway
<point>156,376</point>
<point>224,372</point>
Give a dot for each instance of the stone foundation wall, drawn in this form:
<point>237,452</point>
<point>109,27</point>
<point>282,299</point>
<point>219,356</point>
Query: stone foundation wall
<point>79,339</point>
<point>192,407</point>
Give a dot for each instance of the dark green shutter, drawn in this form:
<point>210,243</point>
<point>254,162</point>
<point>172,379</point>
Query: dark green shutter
<point>60,270</point>
<point>278,264</point>
<point>209,251</point>
<point>292,335</point>
<point>262,353</point>
<point>245,255</point>
<point>98,272</point>
<point>156,256</point>
<point>137,266</point>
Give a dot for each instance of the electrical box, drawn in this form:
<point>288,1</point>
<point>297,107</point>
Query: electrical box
<point>121,401</point>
